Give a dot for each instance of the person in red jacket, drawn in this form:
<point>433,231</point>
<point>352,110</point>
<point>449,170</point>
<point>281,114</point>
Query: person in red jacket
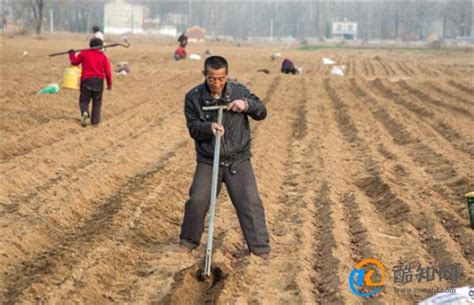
<point>95,67</point>
<point>180,53</point>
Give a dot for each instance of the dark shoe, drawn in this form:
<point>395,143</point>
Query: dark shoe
<point>85,116</point>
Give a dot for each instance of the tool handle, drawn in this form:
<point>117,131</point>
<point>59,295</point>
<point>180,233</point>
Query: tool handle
<point>218,107</point>
<point>212,206</point>
<point>67,52</point>
<point>125,45</point>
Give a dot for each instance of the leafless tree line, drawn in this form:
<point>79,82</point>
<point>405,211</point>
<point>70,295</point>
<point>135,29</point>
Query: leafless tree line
<point>404,20</point>
<point>67,15</point>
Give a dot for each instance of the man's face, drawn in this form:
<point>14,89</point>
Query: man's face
<point>216,80</point>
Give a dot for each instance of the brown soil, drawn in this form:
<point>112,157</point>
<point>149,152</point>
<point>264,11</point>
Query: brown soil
<point>373,164</point>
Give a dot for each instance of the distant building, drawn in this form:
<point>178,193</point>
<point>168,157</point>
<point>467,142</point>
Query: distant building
<point>12,27</point>
<point>196,34</point>
<point>152,25</point>
<point>344,30</point>
<point>174,18</point>
<point>121,17</point>
<point>168,30</point>
<point>157,26</point>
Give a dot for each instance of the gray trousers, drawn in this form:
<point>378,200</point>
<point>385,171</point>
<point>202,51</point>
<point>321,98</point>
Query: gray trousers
<point>242,187</point>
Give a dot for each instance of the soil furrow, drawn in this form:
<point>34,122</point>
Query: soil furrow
<point>395,209</point>
<point>45,262</point>
<point>360,245</point>
<point>347,169</point>
<point>390,209</point>
<point>366,68</point>
<point>370,67</point>
<point>392,95</point>
<point>16,202</point>
<point>287,189</point>
<point>403,69</point>
<point>271,89</point>
<point>434,163</point>
<point>435,87</point>
<point>385,68</point>
<point>354,66</point>
<point>389,67</point>
<point>428,98</point>
<point>326,279</point>
<point>409,68</point>
<point>462,87</point>
<point>118,117</point>
<point>427,71</point>
<point>441,127</point>
<point>451,224</point>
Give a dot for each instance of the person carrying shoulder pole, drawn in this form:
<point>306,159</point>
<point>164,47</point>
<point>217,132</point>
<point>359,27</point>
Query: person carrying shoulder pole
<point>95,67</point>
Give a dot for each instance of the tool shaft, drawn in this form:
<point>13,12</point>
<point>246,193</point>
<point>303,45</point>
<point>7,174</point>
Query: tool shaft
<point>215,175</point>
<point>125,45</point>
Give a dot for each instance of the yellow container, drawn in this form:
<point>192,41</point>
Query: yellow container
<point>72,77</point>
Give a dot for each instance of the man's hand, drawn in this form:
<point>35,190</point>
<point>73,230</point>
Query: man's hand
<point>238,106</point>
<point>71,51</point>
<point>216,127</point>
<point>109,88</point>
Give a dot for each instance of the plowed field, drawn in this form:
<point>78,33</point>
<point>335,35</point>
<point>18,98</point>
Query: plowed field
<point>372,164</point>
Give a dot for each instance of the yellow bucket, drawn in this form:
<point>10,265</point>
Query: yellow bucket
<point>72,77</point>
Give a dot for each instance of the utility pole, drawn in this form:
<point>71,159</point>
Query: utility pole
<point>132,18</point>
<point>271,21</point>
<point>190,13</point>
<point>271,30</point>
<point>51,21</point>
<point>4,16</point>
<point>298,29</point>
<point>212,22</point>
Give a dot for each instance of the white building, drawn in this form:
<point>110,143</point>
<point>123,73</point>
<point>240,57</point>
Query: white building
<point>121,17</point>
<point>178,19</point>
<point>168,30</point>
<point>344,30</point>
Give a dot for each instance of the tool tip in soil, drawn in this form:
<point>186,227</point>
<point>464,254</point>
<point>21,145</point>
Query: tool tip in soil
<point>216,275</point>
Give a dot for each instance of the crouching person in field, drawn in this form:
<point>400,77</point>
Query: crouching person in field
<point>288,67</point>
<point>180,53</point>
<point>95,67</point>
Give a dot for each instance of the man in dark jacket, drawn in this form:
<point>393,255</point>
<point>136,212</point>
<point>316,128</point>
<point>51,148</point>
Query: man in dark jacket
<point>235,167</point>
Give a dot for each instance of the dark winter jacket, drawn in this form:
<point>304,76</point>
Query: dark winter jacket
<point>183,40</point>
<point>288,66</point>
<point>236,141</point>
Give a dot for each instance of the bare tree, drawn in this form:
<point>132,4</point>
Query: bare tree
<point>38,7</point>
<point>384,19</point>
